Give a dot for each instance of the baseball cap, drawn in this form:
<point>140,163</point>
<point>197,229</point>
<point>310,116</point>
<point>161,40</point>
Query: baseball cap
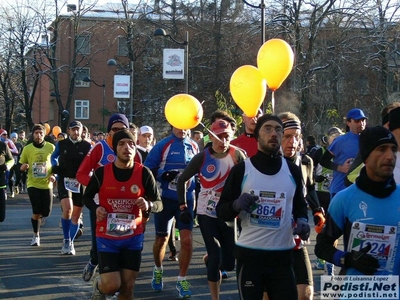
<point>356,114</point>
<point>75,124</point>
<point>146,129</point>
<point>221,126</point>
<point>3,131</point>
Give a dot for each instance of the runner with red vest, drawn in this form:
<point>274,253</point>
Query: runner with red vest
<point>127,193</point>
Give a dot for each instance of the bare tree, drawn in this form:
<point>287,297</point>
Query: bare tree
<point>18,76</point>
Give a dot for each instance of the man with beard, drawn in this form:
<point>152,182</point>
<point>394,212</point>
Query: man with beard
<point>126,191</point>
<point>265,191</point>
<point>36,159</point>
<point>101,154</point>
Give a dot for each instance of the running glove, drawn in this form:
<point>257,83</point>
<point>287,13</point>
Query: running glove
<point>186,216</point>
<point>244,202</point>
<point>362,261</point>
<point>169,175</point>
<point>302,229</point>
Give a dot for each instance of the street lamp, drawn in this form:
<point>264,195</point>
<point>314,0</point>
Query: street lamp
<point>161,32</point>
<point>88,79</point>
<point>262,7</point>
<point>112,62</point>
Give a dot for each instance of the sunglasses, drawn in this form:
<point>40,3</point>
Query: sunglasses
<point>116,129</point>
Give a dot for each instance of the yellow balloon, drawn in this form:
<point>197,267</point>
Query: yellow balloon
<point>56,130</point>
<point>248,88</point>
<point>275,60</point>
<point>183,111</point>
<point>47,128</point>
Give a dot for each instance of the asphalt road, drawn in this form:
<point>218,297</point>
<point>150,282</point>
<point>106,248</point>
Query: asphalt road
<point>33,273</point>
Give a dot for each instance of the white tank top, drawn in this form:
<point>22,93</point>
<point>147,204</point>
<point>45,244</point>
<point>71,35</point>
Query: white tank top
<point>269,226</point>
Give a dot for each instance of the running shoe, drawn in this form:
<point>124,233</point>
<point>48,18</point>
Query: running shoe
<point>35,241</point>
<point>66,246</point>
<point>97,295</point>
<point>183,289</point>
<point>89,271</point>
<point>177,235</point>
<point>156,282</point>
<point>16,190</point>
<point>173,258</point>
<point>12,194</point>
<point>329,269</point>
<point>319,264</point>
<point>79,233</point>
<point>72,249</point>
<point>195,223</point>
<point>224,274</point>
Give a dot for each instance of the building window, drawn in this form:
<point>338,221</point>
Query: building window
<point>80,74</point>
<point>83,44</point>
<point>82,109</point>
<point>122,46</point>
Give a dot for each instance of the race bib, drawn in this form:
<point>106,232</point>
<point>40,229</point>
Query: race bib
<point>269,209</point>
<point>39,169</point>
<point>72,185</point>
<point>119,224</point>
<point>212,199</point>
<point>382,239</point>
<point>173,183</point>
<point>326,184</point>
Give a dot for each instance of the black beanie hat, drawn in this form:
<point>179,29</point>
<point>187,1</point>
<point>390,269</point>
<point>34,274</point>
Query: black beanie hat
<point>372,137</point>
<point>264,118</point>
<point>394,119</point>
<point>123,134</point>
<point>117,118</point>
<point>38,127</point>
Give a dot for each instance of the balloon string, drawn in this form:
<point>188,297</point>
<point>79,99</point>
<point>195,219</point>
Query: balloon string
<point>210,132</point>
<point>273,101</point>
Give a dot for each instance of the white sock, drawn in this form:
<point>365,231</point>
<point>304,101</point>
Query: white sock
<point>181,278</point>
<point>158,268</point>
